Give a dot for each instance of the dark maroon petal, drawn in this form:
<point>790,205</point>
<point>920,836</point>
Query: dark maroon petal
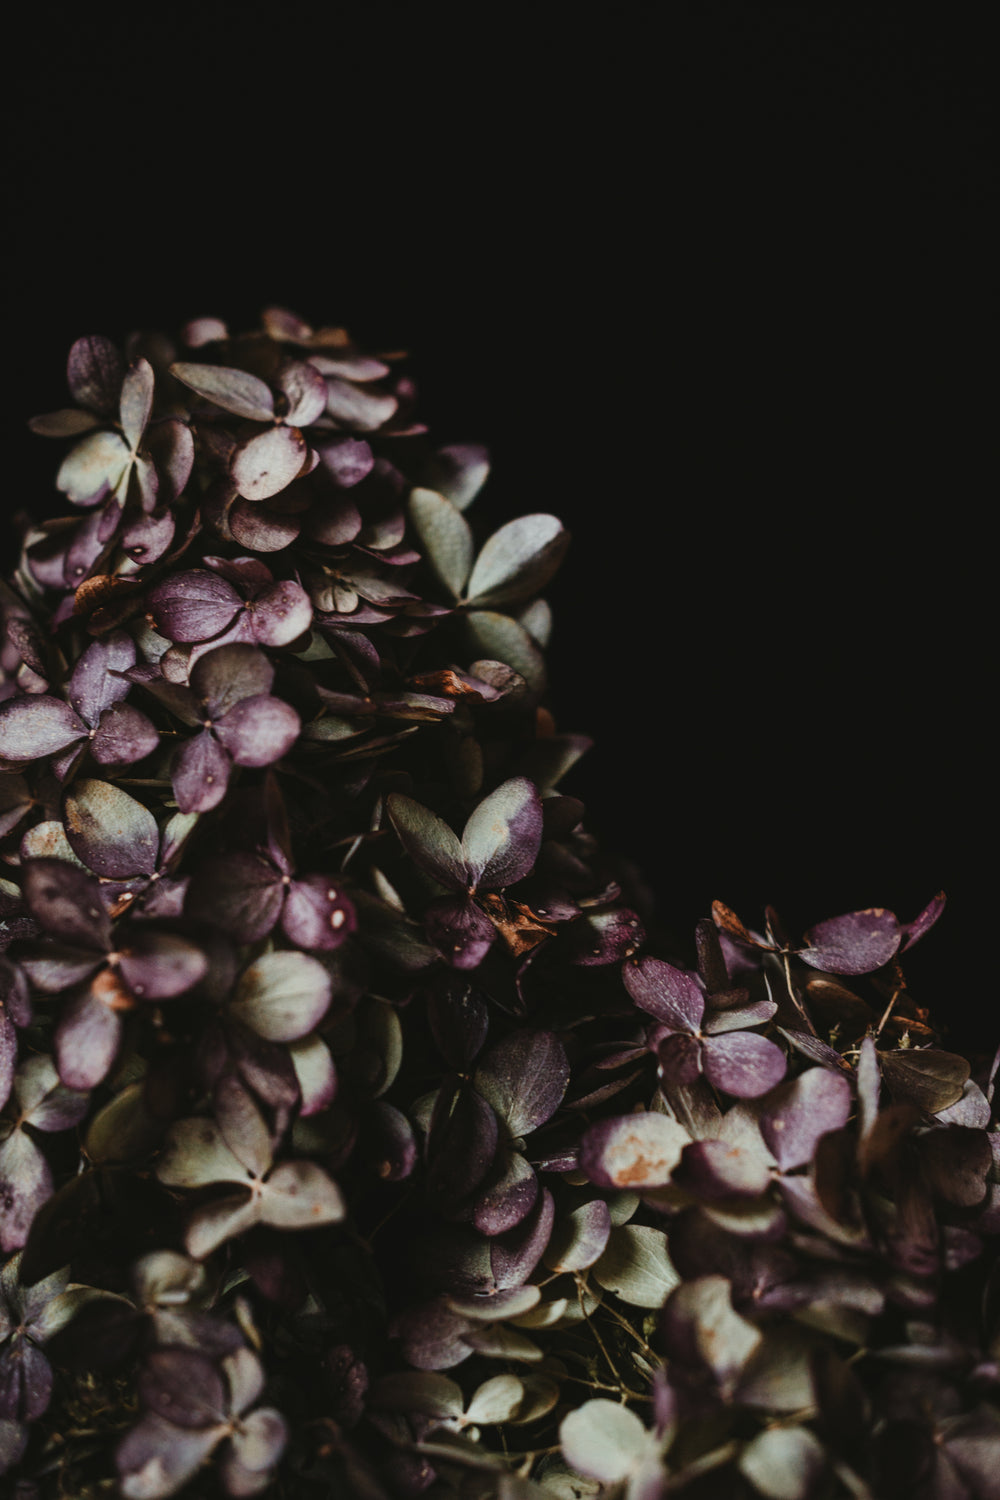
<point>460,931</point>
<point>632,1151</point>
<point>802,1110</point>
<point>123,736</point>
<point>171,1455</point>
<point>183,1386</point>
<point>240,893</point>
<point>222,677</point>
<point>281,613</point>
<point>37,725</point>
<point>148,537</point>
<point>459,1020</point>
<point>680,1059</point>
<point>915,930</point>
<point>502,837</point>
<point>857,943</point>
<point>25,1184</point>
<point>524,1078</point>
<point>389,1144</point>
<point>193,606</point>
<point>112,833</point>
<point>171,447</point>
<point>268,462</point>
<point>462,1145</point>
<point>67,903</point>
<point>430,1335</point>
<point>86,1040</point>
<point>200,773</point>
<point>742,1064</point>
<point>36,1381</point>
<point>95,371</point>
<point>259,529</point>
<point>136,401</point>
<point>717,1170</point>
<point>671,995</point>
<point>507,1196</point>
<point>93,686</point>
<point>53,968</point>
<point>236,391</point>
<point>258,731</point>
<point>160,965</point>
<point>513,1256</point>
<point>318,914</point>
<point>603,937</point>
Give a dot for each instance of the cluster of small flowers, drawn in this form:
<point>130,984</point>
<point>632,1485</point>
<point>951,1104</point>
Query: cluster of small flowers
<point>332,1054</point>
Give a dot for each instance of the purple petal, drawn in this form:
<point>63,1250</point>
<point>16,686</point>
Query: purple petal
<point>45,1103</point>
<point>428,841</point>
<point>431,1335</point>
<point>37,725</point>
<point>317,913</point>
<point>193,606</point>
<point>8,1054</point>
<point>268,462</point>
<point>857,943</point>
<point>524,1078</point>
<point>389,1143</point>
<point>502,837</point>
<point>170,444</point>
<point>507,1196</point>
<point>183,1386</point>
<point>633,1151</point>
<point>347,460</point>
<point>740,1018</point>
<point>221,678</point>
<point>67,903</point>
<point>802,1110</point>
<point>112,833</point>
<point>93,686</point>
<point>680,1059</point>
<point>742,1064</point>
<point>236,391</point>
<point>123,736</point>
<point>456,926</point>
<point>259,529</point>
<point>94,372</point>
<point>258,731</point>
<point>200,773</point>
<point>515,1255</point>
<point>155,1459</point>
<point>136,401</point>
<point>25,1184</point>
<point>148,537</point>
<point>160,965</point>
<point>671,995</point>
<point>241,893</point>
<point>86,1040</point>
<point>915,930</point>
<point>281,613</point>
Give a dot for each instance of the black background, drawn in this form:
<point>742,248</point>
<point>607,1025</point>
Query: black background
<point>712,281</point>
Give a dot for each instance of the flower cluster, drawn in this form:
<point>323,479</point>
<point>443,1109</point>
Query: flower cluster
<point>356,1136</point>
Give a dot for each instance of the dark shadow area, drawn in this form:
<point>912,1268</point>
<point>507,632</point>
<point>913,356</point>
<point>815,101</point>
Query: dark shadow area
<point>711,280</point>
